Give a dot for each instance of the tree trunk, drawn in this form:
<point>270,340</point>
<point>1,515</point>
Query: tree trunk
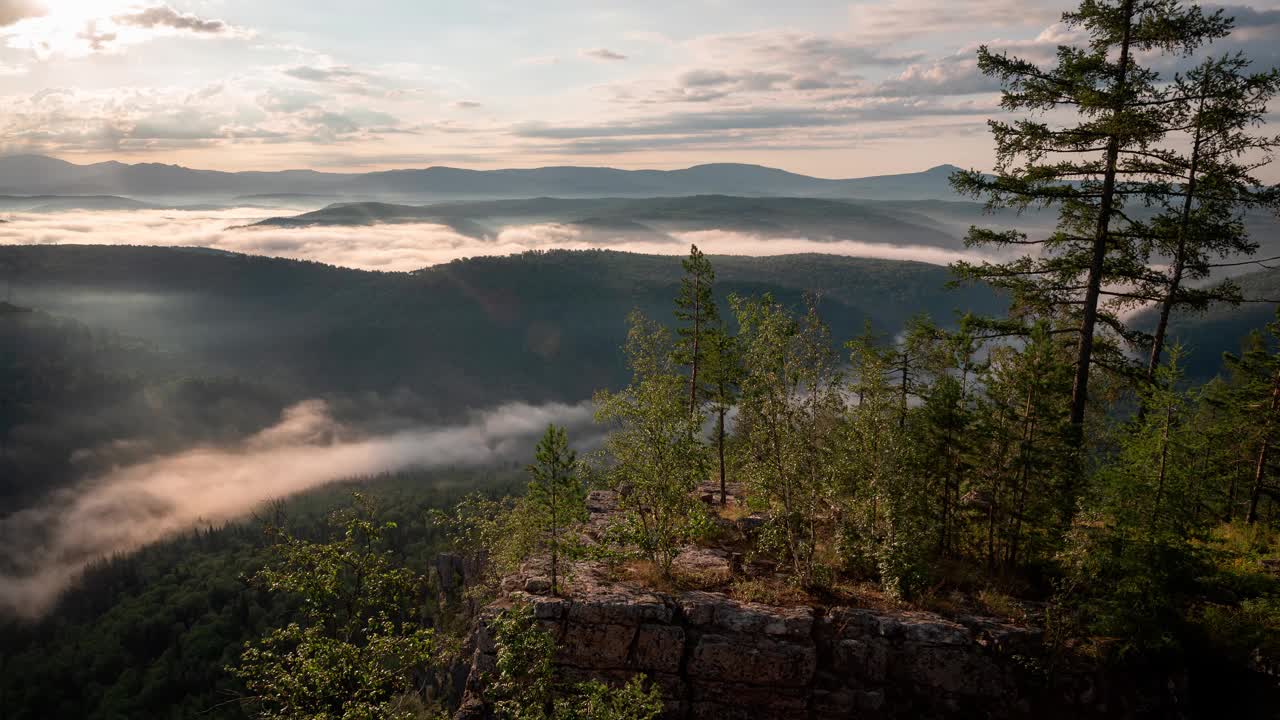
<point>1260,470</point>
<point>1020,487</point>
<point>906,368</point>
<point>1088,320</point>
<point>1180,258</point>
<point>697,337</point>
<point>1161,471</point>
<point>720,451</point>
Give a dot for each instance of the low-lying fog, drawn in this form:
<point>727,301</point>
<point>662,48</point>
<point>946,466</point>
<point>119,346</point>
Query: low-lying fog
<point>44,548</point>
<point>401,247</point>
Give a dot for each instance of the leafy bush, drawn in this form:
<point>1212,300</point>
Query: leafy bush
<point>524,686</point>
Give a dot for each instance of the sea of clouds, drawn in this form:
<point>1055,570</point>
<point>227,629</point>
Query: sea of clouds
<point>402,246</point>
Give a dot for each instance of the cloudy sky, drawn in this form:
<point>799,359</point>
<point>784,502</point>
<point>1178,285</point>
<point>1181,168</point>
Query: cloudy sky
<point>834,89</point>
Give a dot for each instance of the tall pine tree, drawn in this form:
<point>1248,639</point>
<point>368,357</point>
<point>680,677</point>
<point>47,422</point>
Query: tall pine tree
<point>1208,187</point>
<point>1088,170</point>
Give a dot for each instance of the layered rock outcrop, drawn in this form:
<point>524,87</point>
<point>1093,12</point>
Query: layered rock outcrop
<point>718,657</point>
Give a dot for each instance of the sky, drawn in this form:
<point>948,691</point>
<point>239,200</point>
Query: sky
<point>832,89</point>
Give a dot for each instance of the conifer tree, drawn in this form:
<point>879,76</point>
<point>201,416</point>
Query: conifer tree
<point>1138,550</point>
<point>912,361</point>
<point>1088,170</point>
<point>1257,399</point>
<point>699,317</point>
<point>1207,188</point>
<point>1026,449</point>
<point>886,516</point>
<point>941,432</point>
<point>556,496</point>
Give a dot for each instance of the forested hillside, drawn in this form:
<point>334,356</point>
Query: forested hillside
<point>172,346</point>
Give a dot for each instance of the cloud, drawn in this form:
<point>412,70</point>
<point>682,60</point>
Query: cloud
<point>143,120</point>
<point>387,82</point>
<point>165,16</point>
<point>754,127</point>
<point>602,54</point>
<point>467,105</point>
<point>58,29</point>
<point>12,11</point>
<point>904,19</point>
<point>405,247</point>
<point>952,75</point>
<point>338,73</point>
<point>44,548</point>
<point>783,66</point>
<point>801,54</point>
<point>1247,18</point>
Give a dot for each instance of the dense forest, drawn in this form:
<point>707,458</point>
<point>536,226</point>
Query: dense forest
<point>1062,440</point>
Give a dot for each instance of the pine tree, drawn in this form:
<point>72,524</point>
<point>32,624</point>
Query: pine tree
<point>913,360</point>
<point>1207,188</point>
<point>886,514</point>
<point>1025,457</point>
<point>1138,550</point>
<point>1089,170</point>
<point>556,496</point>
<point>696,310</point>
<point>1257,398</point>
<point>941,432</point>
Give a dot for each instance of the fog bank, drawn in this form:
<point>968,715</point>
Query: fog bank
<point>44,548</point>
<point>408,246</point>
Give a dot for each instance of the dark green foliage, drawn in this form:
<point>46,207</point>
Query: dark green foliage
<point>524,685</point>
<point>360,638</point>
<point>1136,556</point>
<point>1254,394</point>
<point>1090,171</point>
<point>183,346</point>
<point>790,413</point>
<point>556,497</point>
<point>151,634</point>
<point>698,318</point>
<point>653,449</point>
<point>1205,192</point>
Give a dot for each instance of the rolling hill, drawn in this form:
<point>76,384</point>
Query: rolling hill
<point>176,346</point>
<point>516,322</point>
<point>1205,336</point>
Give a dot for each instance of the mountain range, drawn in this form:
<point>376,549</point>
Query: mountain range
<point>40,175</point>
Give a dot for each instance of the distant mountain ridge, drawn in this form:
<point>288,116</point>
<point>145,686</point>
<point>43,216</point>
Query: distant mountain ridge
<point>41,175</point>
<point>619,219</point>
